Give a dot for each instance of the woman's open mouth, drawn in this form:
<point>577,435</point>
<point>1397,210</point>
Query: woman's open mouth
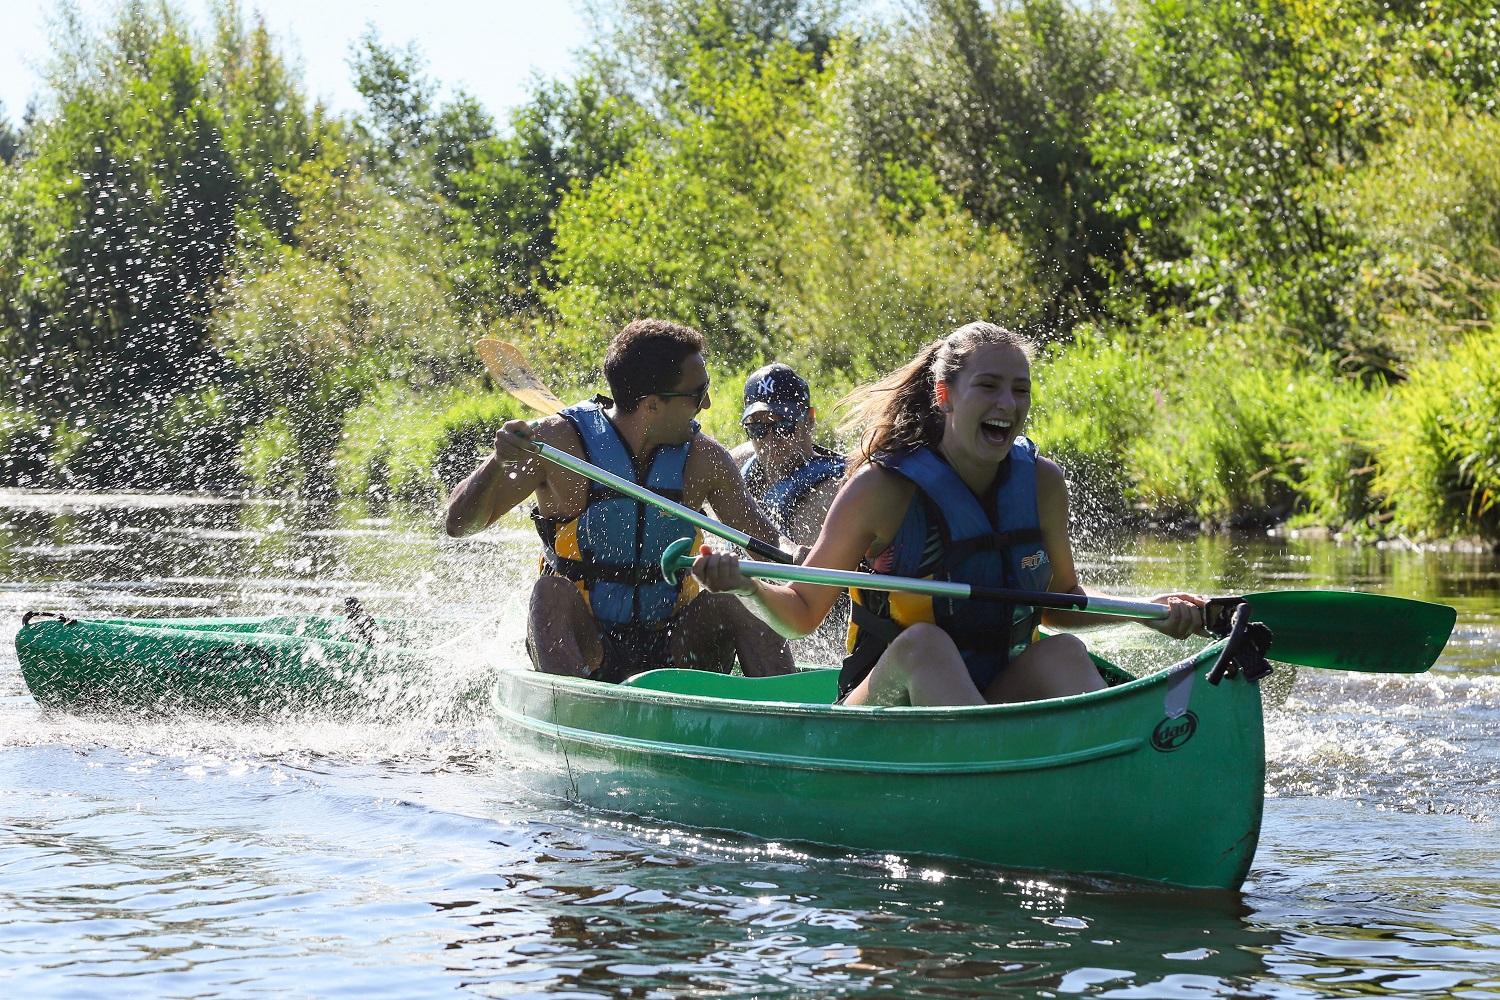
<point>996,431</point>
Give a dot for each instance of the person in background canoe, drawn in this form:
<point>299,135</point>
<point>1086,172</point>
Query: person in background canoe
<point>601,608</point>
<point>793,479</point>
<point>946,486</point>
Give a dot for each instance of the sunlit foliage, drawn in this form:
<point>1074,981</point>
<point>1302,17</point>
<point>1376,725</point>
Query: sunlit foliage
<point>1260,241</point>
<point>998,104</point>
<point>1439,444</point>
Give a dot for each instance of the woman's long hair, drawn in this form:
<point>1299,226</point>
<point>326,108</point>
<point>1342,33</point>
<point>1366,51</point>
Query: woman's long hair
<point>900,412</point>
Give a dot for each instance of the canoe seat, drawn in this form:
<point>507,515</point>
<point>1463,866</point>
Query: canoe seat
<point>810,687</point>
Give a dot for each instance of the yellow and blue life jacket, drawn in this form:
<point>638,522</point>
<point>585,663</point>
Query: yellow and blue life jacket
<point>948,533</point>
<point>782,497</point>
<point>613,549</point>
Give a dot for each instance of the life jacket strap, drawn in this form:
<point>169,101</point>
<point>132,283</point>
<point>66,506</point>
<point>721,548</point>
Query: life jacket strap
<point>598,492</point>
<point>997,541</point>
<point>597,572</point>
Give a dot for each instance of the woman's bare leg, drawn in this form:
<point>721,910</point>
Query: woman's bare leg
<point>921,667</point>
<point>1053,667</point>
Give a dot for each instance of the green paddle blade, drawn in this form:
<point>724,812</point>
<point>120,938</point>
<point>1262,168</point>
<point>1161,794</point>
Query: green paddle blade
<point>1343,630</point>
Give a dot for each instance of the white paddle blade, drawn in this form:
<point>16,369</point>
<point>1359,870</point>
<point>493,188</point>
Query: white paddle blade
<point>508,367</point>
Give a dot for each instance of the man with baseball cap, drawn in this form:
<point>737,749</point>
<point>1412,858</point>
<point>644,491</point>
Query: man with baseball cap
<point>791,477</point>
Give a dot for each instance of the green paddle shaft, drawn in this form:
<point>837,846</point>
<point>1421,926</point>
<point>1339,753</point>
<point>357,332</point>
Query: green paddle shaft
<point>1325,629</point>
<point>637,492</point>
<point>679,558</point>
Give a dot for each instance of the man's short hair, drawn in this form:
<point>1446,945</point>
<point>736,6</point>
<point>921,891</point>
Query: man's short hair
<point>646,356</point>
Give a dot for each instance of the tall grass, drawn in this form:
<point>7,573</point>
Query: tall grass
<point>1438,445</point>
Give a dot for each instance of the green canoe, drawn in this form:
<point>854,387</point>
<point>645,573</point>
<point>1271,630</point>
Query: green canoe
<point>1158,778</point>
<point>241,666</point>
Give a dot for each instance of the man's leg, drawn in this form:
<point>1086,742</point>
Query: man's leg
<point>560,631</point>
<point>715,627</point>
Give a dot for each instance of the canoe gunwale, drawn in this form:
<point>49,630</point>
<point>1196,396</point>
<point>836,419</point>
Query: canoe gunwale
<point>579,687</point>
<point>156,628</point>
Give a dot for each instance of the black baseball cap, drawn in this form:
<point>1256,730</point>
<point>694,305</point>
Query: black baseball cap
<point>778,390</point>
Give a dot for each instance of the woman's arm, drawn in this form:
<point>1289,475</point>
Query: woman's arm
<point>859,518</point>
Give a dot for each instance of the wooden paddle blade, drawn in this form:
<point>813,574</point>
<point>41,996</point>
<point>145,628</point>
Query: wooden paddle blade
<point>508,367</point>
<point>1345,630</point>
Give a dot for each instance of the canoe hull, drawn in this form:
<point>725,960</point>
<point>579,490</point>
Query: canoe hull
<point>1107,783</point>
<point>240,666</point>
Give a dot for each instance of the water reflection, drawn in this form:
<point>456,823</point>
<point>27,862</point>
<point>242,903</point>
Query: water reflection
<point>668,920</point>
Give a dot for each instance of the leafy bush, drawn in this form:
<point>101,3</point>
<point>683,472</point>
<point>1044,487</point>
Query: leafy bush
<point>860,282</point>
<point>1216,426</point>
<point>1438,445</point>
<point>1092,400</point>
<point>414,448</point>
<point>269,457</point>
<point>1428,206</point>
<point>25,444</point>
<point>190,441</point>
<point>682,230</point>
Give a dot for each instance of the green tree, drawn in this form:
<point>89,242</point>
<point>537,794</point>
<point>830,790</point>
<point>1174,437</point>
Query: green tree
<point>10,139</point>
<point>998,104</point>
<point>116,229</point>
<point>129,201</point>
<point>501,206</point>
<point>647,50</point>
<point>683,227</point>
<point>858,280</point>
<point>1230,160</point>
<point>268,128</point>
<point>412,143</point>
<point>359,300</point>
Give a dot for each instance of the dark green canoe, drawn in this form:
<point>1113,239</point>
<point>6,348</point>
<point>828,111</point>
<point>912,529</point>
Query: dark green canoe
<point>1157,778</point>
<point>241,666</point>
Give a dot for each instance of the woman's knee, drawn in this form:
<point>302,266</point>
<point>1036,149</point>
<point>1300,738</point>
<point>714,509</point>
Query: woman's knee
<point>923,649</point>
<point>1067,646</point>
<point>920,642</point>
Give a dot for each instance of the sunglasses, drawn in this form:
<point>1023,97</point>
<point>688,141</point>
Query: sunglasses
<point>699,396</point>
<point>758,429</point>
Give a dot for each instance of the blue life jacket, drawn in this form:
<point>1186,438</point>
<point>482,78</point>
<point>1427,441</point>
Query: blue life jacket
<point>782,497</point>
<point>948,533</point>
<point>613,549</point>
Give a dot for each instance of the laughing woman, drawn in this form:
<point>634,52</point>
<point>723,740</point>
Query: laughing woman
<point>945,486</point>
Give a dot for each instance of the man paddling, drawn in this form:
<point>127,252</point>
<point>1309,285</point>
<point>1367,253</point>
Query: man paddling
<point>792,478</point>
<point>601,608</point>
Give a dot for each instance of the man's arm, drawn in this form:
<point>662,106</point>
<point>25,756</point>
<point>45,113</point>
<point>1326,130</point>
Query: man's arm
<point>808,518</point>
<point>506,477</point>
<point>727,495</point>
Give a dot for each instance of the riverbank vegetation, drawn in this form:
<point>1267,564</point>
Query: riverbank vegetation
<point>1259,241</point>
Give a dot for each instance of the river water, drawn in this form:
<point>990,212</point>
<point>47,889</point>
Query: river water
<point>397,855</point>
